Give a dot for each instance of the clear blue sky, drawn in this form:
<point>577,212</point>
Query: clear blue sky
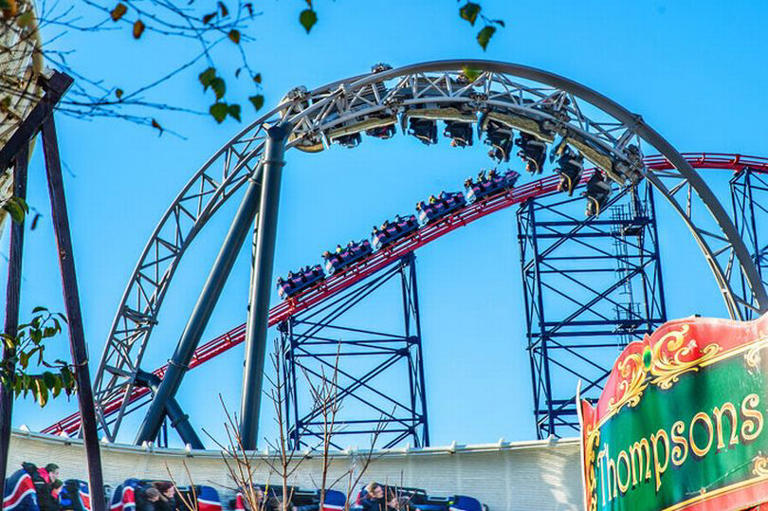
<point>694,70</point>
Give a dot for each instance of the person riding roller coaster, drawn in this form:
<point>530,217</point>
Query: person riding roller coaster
<point>423,129</point>
<point>598,191</point>
<point>533,152</point>
<point>460,133</point>
<point>500,142</point>
<point>570,166</point>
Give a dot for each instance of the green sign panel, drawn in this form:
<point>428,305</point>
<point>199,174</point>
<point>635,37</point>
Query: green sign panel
<point>681,423</point>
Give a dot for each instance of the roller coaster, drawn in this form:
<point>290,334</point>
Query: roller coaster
<point>549,114</point>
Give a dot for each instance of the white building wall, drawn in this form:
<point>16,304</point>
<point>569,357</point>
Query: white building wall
<point>517,476</point>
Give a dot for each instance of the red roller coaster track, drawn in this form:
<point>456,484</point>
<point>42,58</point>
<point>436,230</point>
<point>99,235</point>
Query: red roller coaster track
<point>341,281</point>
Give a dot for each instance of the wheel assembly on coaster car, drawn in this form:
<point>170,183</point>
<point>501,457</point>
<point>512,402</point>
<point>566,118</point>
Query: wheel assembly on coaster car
<point>510,105</point>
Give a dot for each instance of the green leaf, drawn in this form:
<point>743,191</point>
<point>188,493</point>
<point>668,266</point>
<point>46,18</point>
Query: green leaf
<point>471,73</point>
<point>23,360</point>
<point>219,87</point>
<point>257,101</point>
<point>219,111</point>
<point>17,208</point>
<point>208,17</point>
<point>308,18</point>
<point>224,10</point>
<point>40,391</point>
<point>206,76</point>
<point>469,12</point>
<point>49,379</point>
<point>57,386</point>
<point>485,35</point>
<point>234,111</point>
<point>119,93</point>
<point>257,78</point>
<point>39,308</point>
<point>234,36</point>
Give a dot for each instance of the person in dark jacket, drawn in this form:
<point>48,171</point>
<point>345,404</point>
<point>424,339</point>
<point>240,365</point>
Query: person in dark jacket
<point>147,498</point>
<point>42,479</point>
<point>376,499</point>
<point>167,497</point>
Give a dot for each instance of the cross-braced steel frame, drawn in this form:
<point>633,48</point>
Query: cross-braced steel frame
<point>749,193</point>
<point>525,98</point>
<point>367,369</point>
<point>590,287</point>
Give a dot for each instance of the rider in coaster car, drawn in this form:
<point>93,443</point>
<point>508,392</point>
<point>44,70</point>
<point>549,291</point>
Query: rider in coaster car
<point>432,199</point>
<point>598,191</point>
<point>424,129</point>
<point>570,166</point>
<point>492,174</point>
<point>382,132</point>
<point>350,141</point>
<point>459,132</point>
<point>533,152</point>
<point>500,142</point>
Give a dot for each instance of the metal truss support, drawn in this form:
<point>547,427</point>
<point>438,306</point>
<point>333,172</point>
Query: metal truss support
<point>198,320</point>
<point>590,287</point>
<point>749,195</point>
<point>261,286</point>
<point>372,370</point>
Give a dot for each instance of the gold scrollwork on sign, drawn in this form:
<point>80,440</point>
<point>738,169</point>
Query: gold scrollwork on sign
<point>593,441</point>
<point>633,383</point>
<point>760,465</point>
<point>672,358</point>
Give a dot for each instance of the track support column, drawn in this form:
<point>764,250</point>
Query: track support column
<point>198,320</point>
<point>261,281</point>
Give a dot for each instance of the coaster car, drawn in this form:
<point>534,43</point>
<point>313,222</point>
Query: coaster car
<point>74,496</point>
<point>598,191</point>
<point>343,257</point>
<point>438,207</point>
<point>296,282</point>
<point>532,151</point>
<point>491,185</point>
<point>392,231</point>
<point>460,133</point>
<point>497,135</point>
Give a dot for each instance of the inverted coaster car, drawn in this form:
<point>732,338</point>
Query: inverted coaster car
<point>392,231</point>
<point>491,185</point>
<point>343,257</point>
<point>297,282</point>
<point>438,207</point>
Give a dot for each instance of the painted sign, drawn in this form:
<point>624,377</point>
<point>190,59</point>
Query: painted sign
<point>681,423</point>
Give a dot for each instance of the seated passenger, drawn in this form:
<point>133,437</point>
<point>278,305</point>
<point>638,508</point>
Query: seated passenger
<point>468,183</point>
<point>424,129</point>
<point>459,132</point>
<point>443,195</point>
<point>326,255</point>
<point>338,249</point>
<point>570,167</point>
<point>147,498</point>
<point>419,205</point>
<point>350,141</point>
<point>598,191</point>
<point>432,199</point>
<point>481,176</point>
<point>167,497</point>
<point>374,231</point>
<point>43,481</point>
<point>376,500</point>
<point>382,132</point>
<point>492,174</point>
<point>533,152</point>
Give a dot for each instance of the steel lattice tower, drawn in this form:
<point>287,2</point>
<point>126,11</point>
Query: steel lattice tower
<point>590,286</point>
<point>749,195</point>
<point>372,369</point>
